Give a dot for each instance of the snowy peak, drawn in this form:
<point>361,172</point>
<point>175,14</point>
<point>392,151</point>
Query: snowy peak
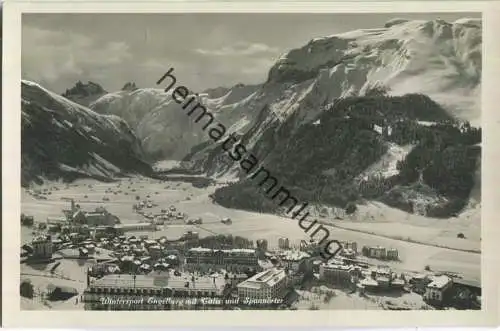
<point>400,90</point>
<point>399,44</point>
<point>436,58</point>
<point>162,126</point>
<point>35,94</point>
<point>62,139</point>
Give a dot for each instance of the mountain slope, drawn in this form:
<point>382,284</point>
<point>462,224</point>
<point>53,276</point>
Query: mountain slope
<point>418,80</point>
<point>158,121</point>
<point>439,59</point>
<point>339,159</point>
<point>61,139</point>
<point>435,58</point>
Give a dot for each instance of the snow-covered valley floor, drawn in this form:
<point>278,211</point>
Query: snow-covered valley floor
<point>415,237</point>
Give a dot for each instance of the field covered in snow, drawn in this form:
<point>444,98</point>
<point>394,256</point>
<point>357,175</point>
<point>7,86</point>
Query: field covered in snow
<point>69,273</point>
<point>415,237</point>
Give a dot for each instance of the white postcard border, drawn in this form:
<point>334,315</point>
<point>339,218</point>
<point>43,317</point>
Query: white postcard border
<point>12,314</point>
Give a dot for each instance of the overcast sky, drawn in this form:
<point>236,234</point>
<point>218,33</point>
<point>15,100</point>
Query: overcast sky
<point>206,50</point>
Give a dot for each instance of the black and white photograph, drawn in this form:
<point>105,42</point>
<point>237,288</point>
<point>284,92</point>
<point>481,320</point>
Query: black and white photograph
<point>251,161</point>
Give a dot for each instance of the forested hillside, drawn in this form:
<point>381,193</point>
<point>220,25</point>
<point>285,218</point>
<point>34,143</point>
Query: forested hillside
<point>325,161</point>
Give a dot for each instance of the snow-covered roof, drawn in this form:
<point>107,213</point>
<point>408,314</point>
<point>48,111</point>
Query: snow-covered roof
<point>267,278</point>
<point>294,255</point>
<point>438,282</point>
<point>234,250</point>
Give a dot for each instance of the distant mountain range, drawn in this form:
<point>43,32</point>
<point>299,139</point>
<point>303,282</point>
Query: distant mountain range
<point>439,59</point>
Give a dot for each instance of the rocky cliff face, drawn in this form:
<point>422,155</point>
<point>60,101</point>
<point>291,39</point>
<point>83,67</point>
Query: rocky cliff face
<point>84,94</point>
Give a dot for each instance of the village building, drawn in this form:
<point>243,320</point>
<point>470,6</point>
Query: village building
<point>392,254</point>
<point>284,243</point>
<point>56,220</point>
<point>381,253</point>
<point>381,278</point>
<point>161,266</point>
<point>60,293</point>
<point>123,228</point>
<point>316,265</point>
<point>103,231</point>
<point>155,251</point>
<point>382,275</point>
<point>240,256</point>
<point>190,235</point>
<point>226,220</point>
<point>233,279</point>
<point>293,260</point>
<point>436,290</point>
<point>335,273</point>
<point>98,217</point>
<point>419,283</point>
<point>348,253</point>
<point>377,252</point>
<point>171,259</point>
<point>268,284</point>
<point>350,245</point>
<point>27,220</point>
<point>262,244</point>
<point>101,269</point>
<point>160,291</point>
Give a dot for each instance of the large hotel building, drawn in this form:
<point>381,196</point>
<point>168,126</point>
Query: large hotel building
<point>200,255</point>
<point>268,284</point>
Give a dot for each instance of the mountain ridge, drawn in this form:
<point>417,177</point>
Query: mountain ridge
<point>63,139</point>
<point>436,58</point>
<point>363,74</point>
<point>370,68</point>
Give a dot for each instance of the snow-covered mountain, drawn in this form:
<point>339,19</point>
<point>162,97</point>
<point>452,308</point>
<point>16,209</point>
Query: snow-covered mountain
<point>319,120</point>
<point>62,139</point>
<point>161,125</point>
<point>439,59</point>
<point>366,114</point>
<point>436,58</point>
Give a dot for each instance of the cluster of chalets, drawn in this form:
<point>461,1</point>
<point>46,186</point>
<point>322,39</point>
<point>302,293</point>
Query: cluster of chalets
<point>137,255</point>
